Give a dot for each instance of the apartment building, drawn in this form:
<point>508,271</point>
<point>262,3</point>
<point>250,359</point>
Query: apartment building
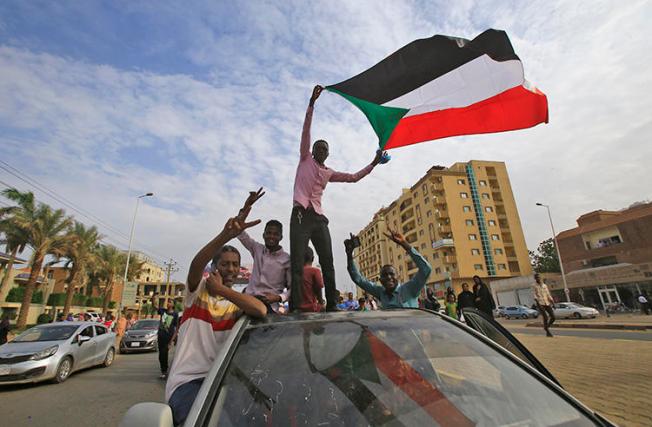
<point>462,218</point>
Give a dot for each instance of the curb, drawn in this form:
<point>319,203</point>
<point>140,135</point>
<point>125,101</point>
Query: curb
<point>620,326</point>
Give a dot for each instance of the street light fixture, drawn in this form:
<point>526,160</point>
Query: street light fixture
<point>131,238</point>
<point>561,265</point>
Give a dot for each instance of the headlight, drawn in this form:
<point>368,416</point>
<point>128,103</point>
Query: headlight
<point>43,354</point>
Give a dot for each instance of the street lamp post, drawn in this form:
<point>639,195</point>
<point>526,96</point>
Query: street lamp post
<point>131,238</point>
<point>561,264</point>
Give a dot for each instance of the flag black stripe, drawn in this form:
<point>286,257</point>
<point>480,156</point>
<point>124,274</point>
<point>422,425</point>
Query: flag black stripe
<point>421,61</point>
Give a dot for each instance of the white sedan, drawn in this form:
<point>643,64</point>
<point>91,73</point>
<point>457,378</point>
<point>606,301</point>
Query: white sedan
<point>567,310</point>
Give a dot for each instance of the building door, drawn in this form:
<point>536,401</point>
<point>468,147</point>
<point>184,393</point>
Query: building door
<point>608,295</point>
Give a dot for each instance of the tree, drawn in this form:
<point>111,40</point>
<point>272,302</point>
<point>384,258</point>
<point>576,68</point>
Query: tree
<point>14,237</point>
<point>81,252</point>
<point>545,259</point>
<point>112,264</point>
<point>46,232</point>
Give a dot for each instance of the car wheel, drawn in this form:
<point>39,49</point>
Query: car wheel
<point>577,315</point>
<point>525,316</point>
<point>108,359</point>
<point>63,370</point>
<point>508,318</point>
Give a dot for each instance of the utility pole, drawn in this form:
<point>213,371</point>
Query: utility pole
<point>171,268</point>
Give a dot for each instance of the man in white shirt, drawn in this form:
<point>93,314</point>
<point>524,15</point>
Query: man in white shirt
<point>211,310</point>
<point>544,302</point>
<point>645,304</point>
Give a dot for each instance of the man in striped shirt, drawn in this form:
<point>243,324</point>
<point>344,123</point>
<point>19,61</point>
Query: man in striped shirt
<point>211,309</point>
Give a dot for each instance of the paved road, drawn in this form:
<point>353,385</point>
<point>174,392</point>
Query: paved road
<point>518,327</point>
<point>93,397</point>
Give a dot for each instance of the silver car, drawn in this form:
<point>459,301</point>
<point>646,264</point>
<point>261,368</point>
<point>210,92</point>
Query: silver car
<point>54,351</point>
<point>143,336</point>
<point>567,310</point>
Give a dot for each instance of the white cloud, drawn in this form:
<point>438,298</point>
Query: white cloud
<point>237,127</point>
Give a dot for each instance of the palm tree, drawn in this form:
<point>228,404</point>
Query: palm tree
<point>46,232</point>
<point>81,252</point>
<point>14,238</point>
<point>111,268</point>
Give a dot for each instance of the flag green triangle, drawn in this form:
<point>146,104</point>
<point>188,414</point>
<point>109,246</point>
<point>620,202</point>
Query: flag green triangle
<point>383,119</point>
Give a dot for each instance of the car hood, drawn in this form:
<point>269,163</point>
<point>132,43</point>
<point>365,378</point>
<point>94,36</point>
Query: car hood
<point>141,331</point>
<point>18,348</point>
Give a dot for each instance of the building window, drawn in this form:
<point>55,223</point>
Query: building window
<point>488,209</point>
<point>429,214</point>
<point>423,246</point>
<point>492,222</point>
<point>416,194</point>
<point>475,251</point>
<point>469,222</point>
<point>435,255</point>
<point>478,266</point>
<point>495,237</point>
<point>461,181</point>
<point>464,195</point>
<point>502,267</point>
<point>437,270</point>
<point>498,251</point>
<point>427,200</point>
<point>466,208</point>
<point>431,232</point>
<point>420,232</point>
<point>424,188</point>
<point>473,237</point>
<point>482,183</point>
<point>485,196</point>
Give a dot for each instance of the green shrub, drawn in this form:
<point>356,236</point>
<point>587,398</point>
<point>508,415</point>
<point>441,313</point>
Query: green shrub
<point>79,299</point>
<point>43,318</point>
<point>16,295</point>
<point>94,301</point>
<point>112,304</point>
<point>57,299</point>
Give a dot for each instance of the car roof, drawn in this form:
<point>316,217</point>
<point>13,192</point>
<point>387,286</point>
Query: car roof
<point>75,323</point>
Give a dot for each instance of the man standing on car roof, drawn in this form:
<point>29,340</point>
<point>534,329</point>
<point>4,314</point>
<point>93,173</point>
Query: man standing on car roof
<point>544,302</point>
<point>308,222</point>
<point>390,293</point>
<point>211,309</point>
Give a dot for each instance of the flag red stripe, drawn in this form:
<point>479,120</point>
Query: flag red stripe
<point>516,108</point>
<point>433,401</point>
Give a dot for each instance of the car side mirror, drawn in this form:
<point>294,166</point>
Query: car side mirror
<point>148,414</point>
<point>82,339</point>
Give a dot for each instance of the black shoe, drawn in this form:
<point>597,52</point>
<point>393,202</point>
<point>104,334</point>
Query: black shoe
<point>548,334</point>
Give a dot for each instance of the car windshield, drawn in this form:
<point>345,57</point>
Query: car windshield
<point>412,370</point>
<point>47,333</point>
<point>146,324</point>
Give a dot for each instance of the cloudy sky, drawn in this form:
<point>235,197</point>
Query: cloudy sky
<point>200,102</point>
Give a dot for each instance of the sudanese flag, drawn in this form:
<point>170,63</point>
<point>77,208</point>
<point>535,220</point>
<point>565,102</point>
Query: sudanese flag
<point>446,86</point>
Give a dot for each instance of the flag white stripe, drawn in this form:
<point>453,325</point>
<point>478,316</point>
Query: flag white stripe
<point>468,84</point>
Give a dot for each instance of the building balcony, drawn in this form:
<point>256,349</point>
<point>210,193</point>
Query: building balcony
<point>442,215</point>
<point>444,229</point>
<point>406,205</point>
<point>449,259</point>
<point>441,243</point>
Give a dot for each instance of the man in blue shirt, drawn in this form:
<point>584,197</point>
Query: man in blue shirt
<point>390,293</point>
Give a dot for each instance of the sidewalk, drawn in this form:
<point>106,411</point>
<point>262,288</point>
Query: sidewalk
<point>626,321</point>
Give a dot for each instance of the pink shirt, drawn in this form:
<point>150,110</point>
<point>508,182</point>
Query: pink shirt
<point>271,272</point>
<point>311,178</point>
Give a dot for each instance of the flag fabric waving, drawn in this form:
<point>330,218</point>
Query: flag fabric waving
<point>446,86</point>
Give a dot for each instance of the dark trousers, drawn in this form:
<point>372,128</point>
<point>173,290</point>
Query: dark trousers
<point>163,349</point>
<point>548,315</point>
<point>306,225</point>
<point>182,399</point>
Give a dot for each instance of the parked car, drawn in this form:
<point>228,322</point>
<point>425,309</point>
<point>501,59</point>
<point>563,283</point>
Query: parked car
<point>53,351</point>
<point>519,312</point>
<point>498,311</point>
<point>394,367</point>
<point>143,336</point>
<point>567,310</point>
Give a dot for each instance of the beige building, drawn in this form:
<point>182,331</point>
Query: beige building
<point>463,219</point>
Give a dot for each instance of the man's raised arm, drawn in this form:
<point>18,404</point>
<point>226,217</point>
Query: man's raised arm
<point>307,123</point>
<point>355,177</point>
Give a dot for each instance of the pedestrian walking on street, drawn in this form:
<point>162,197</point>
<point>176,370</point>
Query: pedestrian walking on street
<point>167,333</point>
<point>483,299</point>
<point>645,303</point>
<point>4,328</point>
<point>544,302</point>
<point>465,299</point>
